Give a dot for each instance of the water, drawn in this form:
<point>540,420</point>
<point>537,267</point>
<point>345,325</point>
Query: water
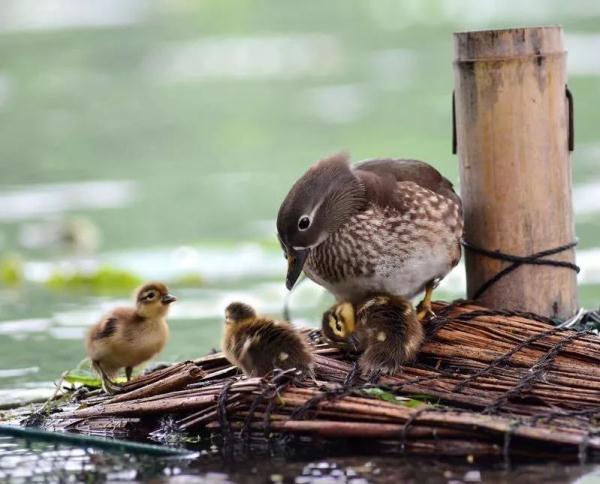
<point>28,461</point>
<point>159,138</point>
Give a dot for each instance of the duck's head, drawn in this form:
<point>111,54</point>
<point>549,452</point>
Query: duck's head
<point>316,206</point>
<point>237,312</point>
<point>153,299</point>
<point>339,323</point>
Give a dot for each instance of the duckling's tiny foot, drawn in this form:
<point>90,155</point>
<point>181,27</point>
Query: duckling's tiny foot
<point>383,368</point>
<point>110,387</point>
<point>373,376</point>
<point>424,311</point>
<point>313,377</point>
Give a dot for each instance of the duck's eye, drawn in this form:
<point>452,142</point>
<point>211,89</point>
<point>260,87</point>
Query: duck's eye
<point>150,295</point>
<point>304,222</point>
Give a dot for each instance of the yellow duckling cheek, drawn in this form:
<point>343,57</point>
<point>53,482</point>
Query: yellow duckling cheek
<point>336,327</point>
<point>346,314</point>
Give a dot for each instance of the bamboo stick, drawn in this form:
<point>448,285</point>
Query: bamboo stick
<point>512,139</point>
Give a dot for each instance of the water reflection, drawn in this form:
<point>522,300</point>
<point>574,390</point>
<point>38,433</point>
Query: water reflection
<point>35,201</point>
<point>250,58</point>
<point>25,15</point>
<point>586,200</point>
<point>204,277</point>
<point>37,461</point>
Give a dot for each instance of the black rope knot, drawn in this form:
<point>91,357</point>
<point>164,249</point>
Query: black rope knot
<point>222,411</point>
<point>518,260</point>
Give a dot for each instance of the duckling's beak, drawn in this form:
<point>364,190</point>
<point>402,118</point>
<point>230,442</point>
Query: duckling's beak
<point>296,259</point>
<point>168,299</point>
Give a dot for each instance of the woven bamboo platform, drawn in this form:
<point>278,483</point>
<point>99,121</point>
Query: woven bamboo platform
<point>486,383</point>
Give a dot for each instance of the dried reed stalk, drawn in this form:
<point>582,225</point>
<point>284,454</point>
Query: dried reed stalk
<point>539,384</point>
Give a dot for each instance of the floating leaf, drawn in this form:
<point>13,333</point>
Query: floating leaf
<point>188,280</point>
<point>11,270</point>
<point>106,280</point>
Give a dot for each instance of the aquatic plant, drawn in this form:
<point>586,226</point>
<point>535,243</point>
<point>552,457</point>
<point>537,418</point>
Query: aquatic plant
<point>12,273</point>
<point>105,280</point>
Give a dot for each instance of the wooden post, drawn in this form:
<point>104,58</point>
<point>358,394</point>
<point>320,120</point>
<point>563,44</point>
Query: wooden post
<point>512,132</point>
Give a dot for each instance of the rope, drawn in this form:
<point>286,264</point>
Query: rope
<point>588,427</point>
<point>222,411</point>
<point>410,423</point>
<point>549,416</point>
<point>517,261</point>
<point>271,389</point>
<point>441,319</point>
<point>501,360</point>
<point>534,373</point>
<point>349,386</point>
<point>353,376</point>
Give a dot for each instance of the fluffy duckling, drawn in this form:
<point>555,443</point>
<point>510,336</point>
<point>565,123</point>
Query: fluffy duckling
<point>127,337</point>
<point>385,329</point>
<point>258,344</point>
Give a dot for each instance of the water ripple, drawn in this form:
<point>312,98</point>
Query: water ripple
<point>22,203</point>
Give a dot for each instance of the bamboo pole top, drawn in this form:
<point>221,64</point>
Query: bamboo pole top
<point>507,43</point>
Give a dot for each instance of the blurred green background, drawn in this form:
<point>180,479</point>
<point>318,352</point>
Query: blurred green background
<point>156,139</point>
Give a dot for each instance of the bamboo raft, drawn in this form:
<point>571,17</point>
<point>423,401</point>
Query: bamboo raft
<point>486,383</point>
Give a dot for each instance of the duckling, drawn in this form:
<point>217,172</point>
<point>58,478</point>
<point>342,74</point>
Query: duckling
<point>385,329</point>
<point>127,337</point>
<point>258,344</point>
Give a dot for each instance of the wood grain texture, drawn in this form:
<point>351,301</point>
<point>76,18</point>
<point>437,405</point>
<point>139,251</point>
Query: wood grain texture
<point>515,167</point>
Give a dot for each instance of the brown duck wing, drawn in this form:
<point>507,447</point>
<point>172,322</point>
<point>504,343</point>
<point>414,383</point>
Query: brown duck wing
<point>106,328</point>
<point>110,324</point>
<point>385,173</point>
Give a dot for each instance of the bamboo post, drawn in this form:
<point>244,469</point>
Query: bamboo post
<point>512,134</point>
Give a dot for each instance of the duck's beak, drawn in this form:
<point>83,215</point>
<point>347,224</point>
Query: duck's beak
<point>168,299</point>
<point>296,260</point>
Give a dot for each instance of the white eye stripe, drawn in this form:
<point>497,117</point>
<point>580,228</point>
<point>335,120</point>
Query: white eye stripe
<point>310,216</point>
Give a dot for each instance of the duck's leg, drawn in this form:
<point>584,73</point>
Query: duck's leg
<point>108,385</point>
<point>128,371</point>
<point>424,307</point>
